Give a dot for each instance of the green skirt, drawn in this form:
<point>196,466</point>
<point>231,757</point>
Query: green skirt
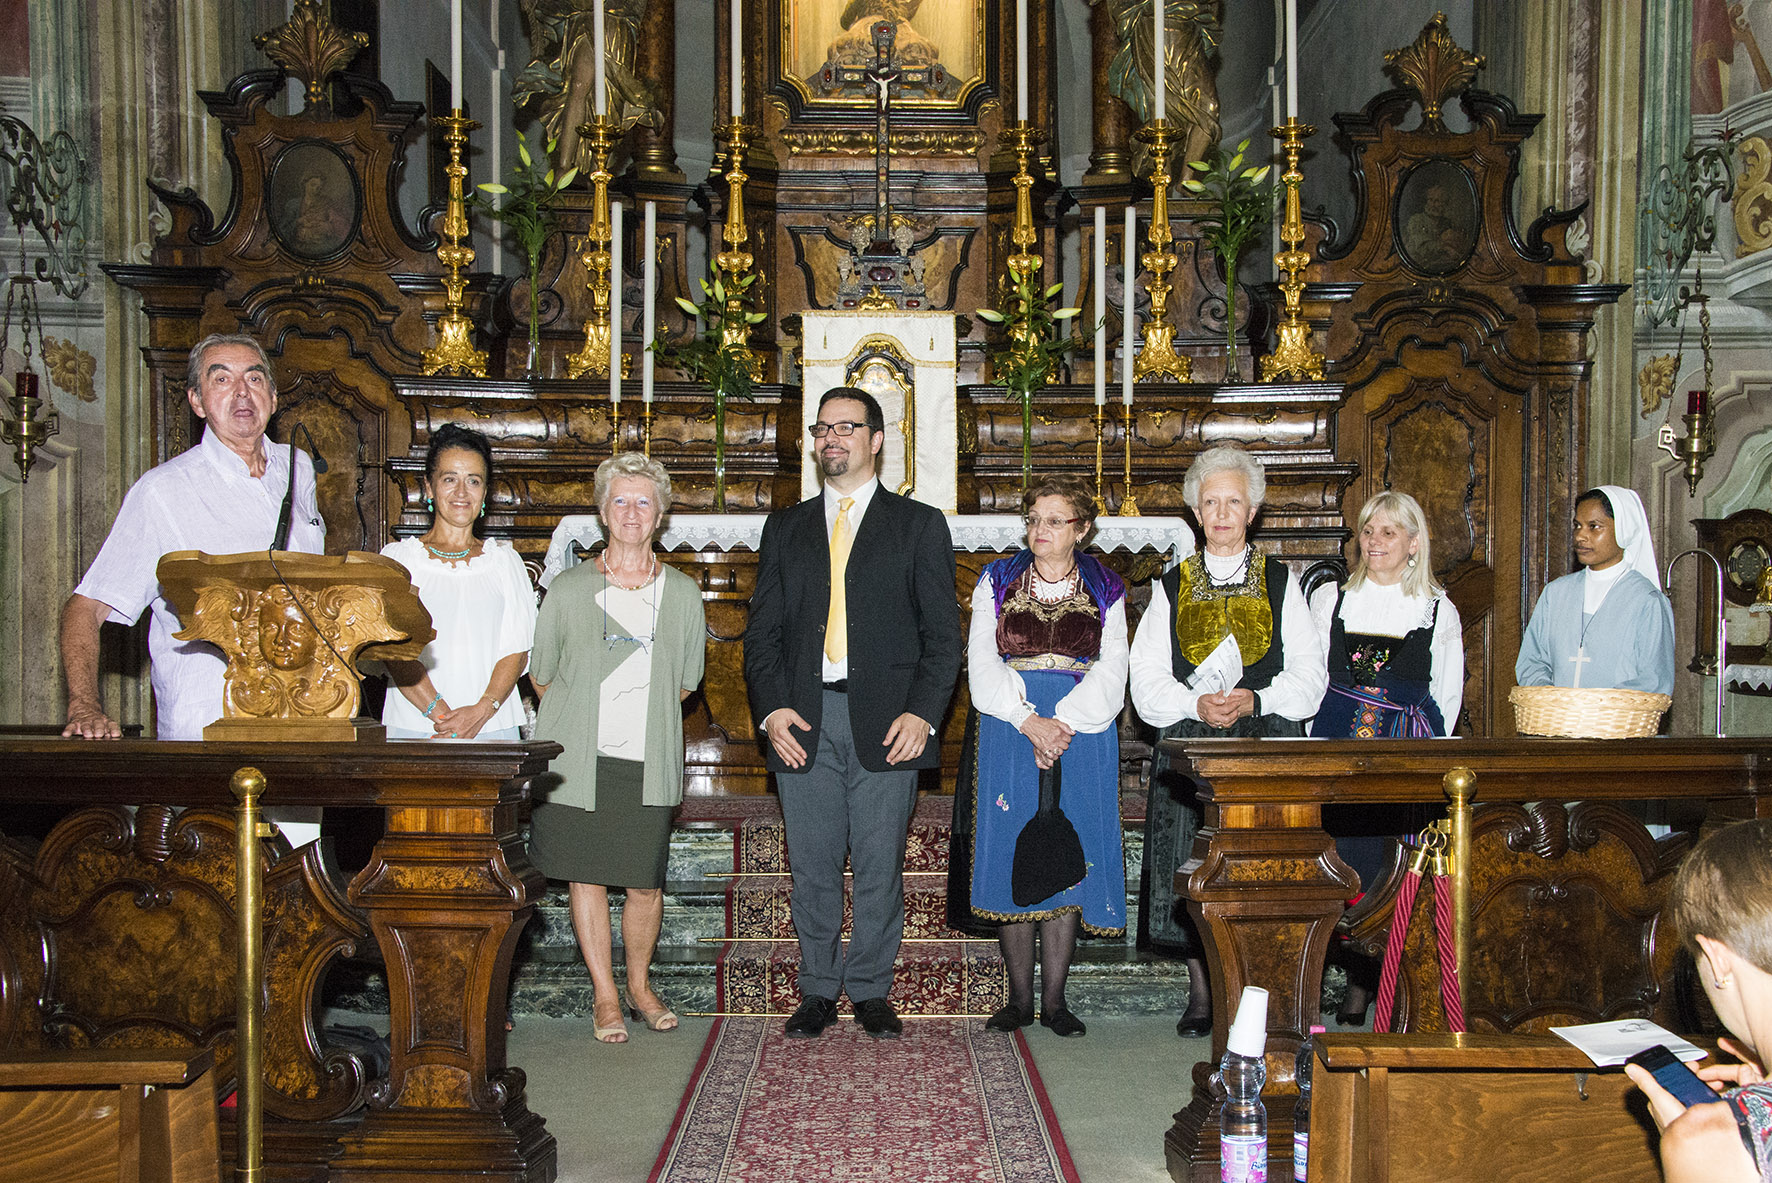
<point>621,843</point>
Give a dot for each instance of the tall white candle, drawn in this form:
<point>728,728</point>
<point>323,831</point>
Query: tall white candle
<point>735,70</point>
<point>614,303</point>
<point>599,84</point>
<point>1128,307</point>
<point>455,55</point>
<point>649,288</point>
<point>1159,60</point>
<point>1021,60</point>
<point>1292,59</point>
<point>1100,305</point>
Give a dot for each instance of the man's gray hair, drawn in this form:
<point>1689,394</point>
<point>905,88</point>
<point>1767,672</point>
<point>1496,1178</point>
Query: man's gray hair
<point>633,464</point>
<point>194,368</point>
<point>1224,458</point>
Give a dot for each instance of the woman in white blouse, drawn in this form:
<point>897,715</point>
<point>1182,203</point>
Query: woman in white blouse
<point>1046,663</point>
<point>1226,648</point>
<point>1394,641</point>
<point>1396,669</point>
<point>481,604</point>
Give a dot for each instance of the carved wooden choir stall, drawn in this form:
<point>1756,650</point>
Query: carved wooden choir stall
<point>850,178</point>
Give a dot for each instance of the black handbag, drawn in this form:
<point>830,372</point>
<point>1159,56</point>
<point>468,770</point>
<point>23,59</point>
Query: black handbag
<point>1048,853</point>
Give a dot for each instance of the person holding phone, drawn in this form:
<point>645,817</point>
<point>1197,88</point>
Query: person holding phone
<point>1721,900</point>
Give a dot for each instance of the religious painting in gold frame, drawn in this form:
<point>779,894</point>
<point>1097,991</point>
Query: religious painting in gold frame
<point>944,41</point>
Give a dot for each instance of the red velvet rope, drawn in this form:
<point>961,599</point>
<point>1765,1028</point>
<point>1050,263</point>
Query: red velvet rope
<point>1451,990</point>
<point>1393,950</point>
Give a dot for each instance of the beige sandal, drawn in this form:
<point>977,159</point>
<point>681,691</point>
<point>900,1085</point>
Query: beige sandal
<point>615,1033</point>
<point>662,1019</point>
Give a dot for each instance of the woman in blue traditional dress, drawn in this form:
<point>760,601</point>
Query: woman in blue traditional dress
<point>1225,648</point>
<point>1047,674</point>
<point>1394,641</point>
<point>1396,670</point>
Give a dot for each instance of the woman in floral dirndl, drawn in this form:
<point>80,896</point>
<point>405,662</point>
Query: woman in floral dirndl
<point>1046,662</point>
<point>1396,669</point>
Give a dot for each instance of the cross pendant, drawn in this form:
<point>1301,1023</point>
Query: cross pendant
<point>1580,659</point>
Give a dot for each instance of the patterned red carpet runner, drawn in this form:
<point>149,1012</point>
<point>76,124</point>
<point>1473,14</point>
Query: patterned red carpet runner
<point>949,1102</point>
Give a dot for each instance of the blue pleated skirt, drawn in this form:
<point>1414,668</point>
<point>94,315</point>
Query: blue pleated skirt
<point>1006,794</point>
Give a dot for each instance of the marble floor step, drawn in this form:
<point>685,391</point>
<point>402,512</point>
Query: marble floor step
<point>1104,980</point>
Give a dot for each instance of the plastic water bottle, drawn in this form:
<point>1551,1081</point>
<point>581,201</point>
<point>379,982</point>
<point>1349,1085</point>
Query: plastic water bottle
<point>1301,1114</point>
<point>1242,1123</point>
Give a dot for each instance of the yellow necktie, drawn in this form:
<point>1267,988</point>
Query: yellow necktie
<point>836,625</point>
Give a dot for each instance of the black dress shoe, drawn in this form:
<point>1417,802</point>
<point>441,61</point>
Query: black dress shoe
<point>812,1017</point>
<point>1009,1017</point>
<point>1062,1022</point>
<point>878,1019</point>
<point>1192,1026</point>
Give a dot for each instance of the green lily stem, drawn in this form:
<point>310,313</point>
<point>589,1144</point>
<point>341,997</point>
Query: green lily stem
<point>719,450</point>
<point>1232,371</point>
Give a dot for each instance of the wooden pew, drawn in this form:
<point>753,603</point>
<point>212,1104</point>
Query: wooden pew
<point>108,1117</point>
<point>1265,886</point>
<point>1476,1108</point>
<point>117,931</point>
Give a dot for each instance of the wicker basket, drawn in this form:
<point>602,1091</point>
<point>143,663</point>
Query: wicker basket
<point>1587,714</point>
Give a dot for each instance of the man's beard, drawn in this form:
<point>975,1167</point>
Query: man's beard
<point>831,465</point>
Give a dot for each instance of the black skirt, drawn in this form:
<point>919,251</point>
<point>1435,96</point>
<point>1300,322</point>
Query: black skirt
<point>1172,818</point>
<point>621,843</point>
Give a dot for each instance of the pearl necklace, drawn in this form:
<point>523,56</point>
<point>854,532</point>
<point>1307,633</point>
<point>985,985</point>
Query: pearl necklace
<point>603,561</point>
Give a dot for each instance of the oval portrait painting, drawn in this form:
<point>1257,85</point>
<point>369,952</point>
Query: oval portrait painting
<point>313,200</point>
<point>1436,222</point>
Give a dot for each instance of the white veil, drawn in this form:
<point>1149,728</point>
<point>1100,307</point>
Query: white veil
<point>1630,526</point>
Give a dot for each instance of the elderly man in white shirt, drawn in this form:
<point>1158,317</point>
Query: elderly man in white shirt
<point>222,496</point>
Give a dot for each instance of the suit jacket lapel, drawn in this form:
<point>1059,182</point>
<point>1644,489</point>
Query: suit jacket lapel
<point>872,522</point>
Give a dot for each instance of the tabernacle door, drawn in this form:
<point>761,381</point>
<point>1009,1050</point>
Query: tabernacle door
<point>906,361</point>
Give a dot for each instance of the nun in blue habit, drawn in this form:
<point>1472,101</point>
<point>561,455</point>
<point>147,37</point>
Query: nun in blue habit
<point>1607,626</point>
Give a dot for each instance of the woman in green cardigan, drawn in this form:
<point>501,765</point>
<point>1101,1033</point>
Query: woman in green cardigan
<point>620,643</point>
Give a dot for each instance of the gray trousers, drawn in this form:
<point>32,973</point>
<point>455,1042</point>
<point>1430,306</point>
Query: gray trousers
<point>832,809</point>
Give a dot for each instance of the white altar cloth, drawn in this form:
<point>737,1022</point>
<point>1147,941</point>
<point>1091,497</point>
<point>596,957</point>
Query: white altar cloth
<point>972,533</point>
<point>1740,674</point>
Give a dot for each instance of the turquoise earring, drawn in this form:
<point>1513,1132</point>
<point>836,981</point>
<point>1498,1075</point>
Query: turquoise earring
<point>429,507</point>
<point>482,509</point>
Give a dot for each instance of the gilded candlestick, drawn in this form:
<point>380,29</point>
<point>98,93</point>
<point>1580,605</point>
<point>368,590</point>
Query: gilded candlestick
<point>1158,358</point>
<point>735,261</point>
<point>1128,503</point>
<point>1293,356</point>
<point>1023,263</point>
<point>600,134</point>
<point>455,352</point>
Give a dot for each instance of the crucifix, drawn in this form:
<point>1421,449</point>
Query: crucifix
<point>883,273</point>
<point>883,75</point>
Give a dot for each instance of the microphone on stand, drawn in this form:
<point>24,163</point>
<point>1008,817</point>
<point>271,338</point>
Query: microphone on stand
<point>280,541</point>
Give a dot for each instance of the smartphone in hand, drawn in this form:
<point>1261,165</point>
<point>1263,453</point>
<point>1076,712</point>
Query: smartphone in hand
<point>1673,1075</point>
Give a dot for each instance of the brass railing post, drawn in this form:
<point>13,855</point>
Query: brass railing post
<point>248,785</point>
<point>1460,785</point>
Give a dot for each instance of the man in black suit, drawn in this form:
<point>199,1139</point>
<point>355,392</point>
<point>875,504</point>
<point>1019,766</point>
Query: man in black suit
<point>848,689</point>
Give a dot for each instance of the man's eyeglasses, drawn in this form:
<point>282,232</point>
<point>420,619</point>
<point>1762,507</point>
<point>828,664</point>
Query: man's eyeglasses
<point>820,430</point>
<point>1034,523</point>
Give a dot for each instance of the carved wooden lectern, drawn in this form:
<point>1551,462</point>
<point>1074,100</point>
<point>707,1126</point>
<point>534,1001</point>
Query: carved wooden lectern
<point>293,627</point>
